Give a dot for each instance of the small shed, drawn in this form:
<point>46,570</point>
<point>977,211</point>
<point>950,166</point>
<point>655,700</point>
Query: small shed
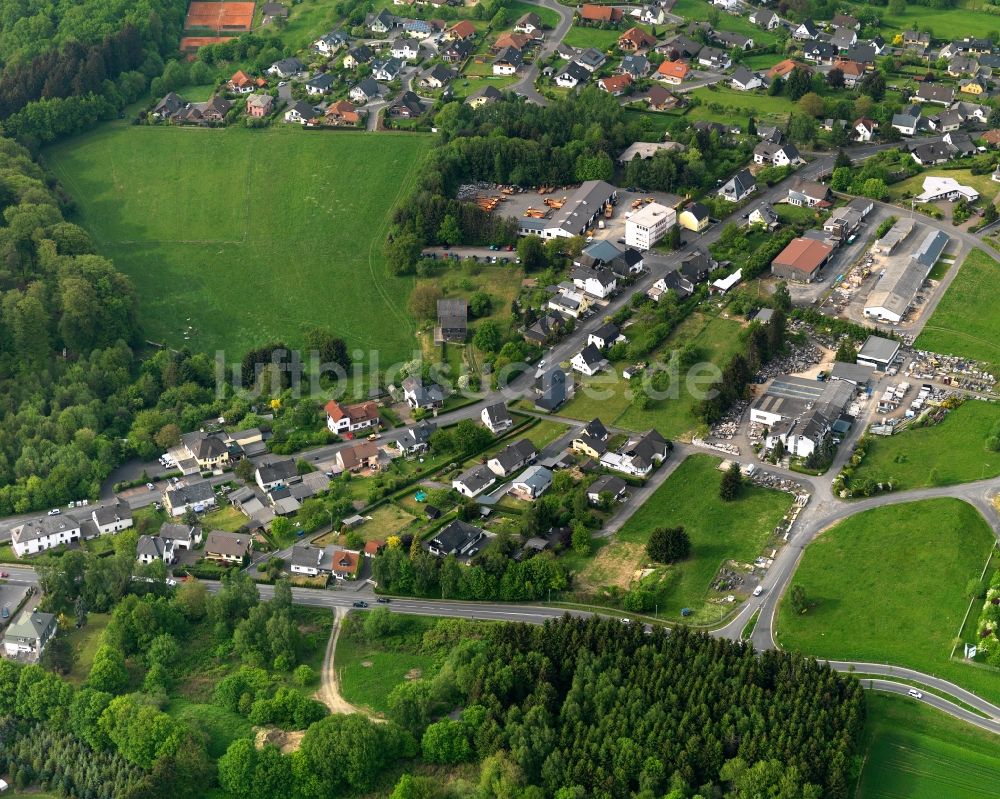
<point>353,521</point>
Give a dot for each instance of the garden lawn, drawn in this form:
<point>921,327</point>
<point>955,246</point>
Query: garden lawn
<point>603,40</point>
<point>967,320</point>
<point>946,23</point>
<point>83,642</point>
<point>369,671</point>
<point>719,531</point>
<point>889,586</point>
<point>517,9</point>
<point>761,106</point>
<point>237,237</point>
<point>914,184</point>
<point>699,10</point>
<point>226,518</point>
<point>609,398</point>
<point>222,726</point>
<point>386,520</point>
<point>915,751</point>
<point>951,452</point>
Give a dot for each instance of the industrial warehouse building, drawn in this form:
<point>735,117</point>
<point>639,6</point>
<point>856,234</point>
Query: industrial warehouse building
<point>902,277</point>
<point>878,352</point>
<point>578,213</point>
<point>801,413</point>
<point>801,260</point>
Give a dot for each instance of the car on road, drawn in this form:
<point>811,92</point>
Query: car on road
<point>758,590</point>
<point>54,512</point>
<point>383,600</point>
<point>915,693</point>
<point>360,604</point>
<point>373,437</point>
<point>150,486</point>
<point>4,574</point>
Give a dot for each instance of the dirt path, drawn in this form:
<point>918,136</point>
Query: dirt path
<point>329,689</point>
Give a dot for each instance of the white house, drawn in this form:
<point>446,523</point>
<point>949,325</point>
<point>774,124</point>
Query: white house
<point>197,496</point>
<point>941,188</point>
<point>600,283</point>
<point>606,335</point>
<point>26,638</point>
<point>776,154</point>
<point>286,68</point>
<point>589,361</point>
<point>648,225</point>
<point>864,129</point>
<point>497,418</point>
<point>638,456</point>
<point>739,186</point>
<point>532,483</point>
<point>275,473</point>
<point>512,457</point>
<point>112,518</point>
<point>572,76</point>
<point>342,419</point>
<point>311,561</point>
<point>405,49</point>
<point>299,112</point>
<point>43,533</point>
<point>151,548</point>
<point>473,482</point>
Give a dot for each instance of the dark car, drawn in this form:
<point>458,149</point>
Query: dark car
<point>383,600</point>
<point>360,604</point>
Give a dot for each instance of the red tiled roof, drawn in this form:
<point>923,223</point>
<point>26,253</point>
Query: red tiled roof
<point>462,29</point>
<point>616,83</point>
<point>345,562</point>
<point>805,255</point>
<point>594,13</point>
<point>673,69</point>
<point>638,37</point>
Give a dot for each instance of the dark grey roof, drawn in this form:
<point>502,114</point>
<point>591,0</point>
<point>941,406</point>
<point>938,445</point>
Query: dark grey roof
<point>591,355</point>
<point>607,332</point>
<point>179,532</point>
<point>607,484</point>
<point>277,470</point>
<point>497,413</point>
<point>477,478</point>
<point>324,80</point>
<point>879,349</point>
<point>576,72</point>
<point>595,427</point>
<point>109,514</point>
<point>456,537</point>
<point>149,546</point>
<point>191,494</point>
<point>231,544</point>
<point>514,454</point>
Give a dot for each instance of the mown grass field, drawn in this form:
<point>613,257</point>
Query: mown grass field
<point>948,453</point>
<point>578,36</point>
<point>84,642</point>
<point>719,531</point>
<point>920,753</point>
<point>967,320</point>
<point>761,106</point>
<point>913,185</point>
<point>946,23</point>
<point>888,586</point>
<point>248,236</point>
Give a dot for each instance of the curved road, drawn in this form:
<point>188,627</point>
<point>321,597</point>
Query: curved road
<point>525,85</point>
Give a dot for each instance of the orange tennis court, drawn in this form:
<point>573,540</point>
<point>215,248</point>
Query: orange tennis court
<point>220,16</point>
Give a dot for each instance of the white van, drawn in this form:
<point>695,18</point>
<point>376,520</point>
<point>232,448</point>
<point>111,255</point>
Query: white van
<point>915,693</point>
<point>758,590</point>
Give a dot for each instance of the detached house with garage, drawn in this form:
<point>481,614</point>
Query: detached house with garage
<point>198,496</point>
<point>474,482</point>
<point>228,548</point>
<point>275,473</point>
<point>38,535</point>
<point>512,457</point>
<point>458,538</point>
<point>422,397</point>
<point>573,75</point>
<point>776,154</point>
<point>362,416</point>
<point>589,361</point>
<point>497,418</point>
<point>738,187</point>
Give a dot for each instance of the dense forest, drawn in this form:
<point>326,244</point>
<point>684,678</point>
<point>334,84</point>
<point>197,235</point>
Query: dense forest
<point>581,708</point>
<point>568,141</point>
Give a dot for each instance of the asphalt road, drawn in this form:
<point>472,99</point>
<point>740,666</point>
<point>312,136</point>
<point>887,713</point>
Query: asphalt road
<point>935,701</point>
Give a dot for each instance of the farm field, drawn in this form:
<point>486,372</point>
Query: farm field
<point>951,452</point>
<point>920,753</point>
<point>719,531</point>
<point>252,235</point>
<point>715,338</point>
<point>946,23</point>
<point>889,585</point>
<point>967,322</point>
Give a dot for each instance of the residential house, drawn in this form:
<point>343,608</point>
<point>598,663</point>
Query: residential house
<point>680,47</point>
<point>916,39</point>
<point>863,53</point>
<point>609,487</point>
<point>407,106</point>
<point>974,86</point>
<point>844,38</point>
<point>272,12</point>
<point>639,456</point>
<point>516,40</point>
<point>529,23</point>
<point>437,77</point>
<point>310,561</point>
<point>46,532</point>
<point>938,189</point>
<point>507,62</point>
<point>457,51</point>
<point>660,99</point>
<point>152,548</point>
<point>607,14</point>
<point>776,154</point>
<point>551,389</point>
<point>419,29</point>
<point>635,66</point>
<point>945,122</point>
<point>731,41</point>
<point>197,496</point>
<point>864,129</point>
<point>241,83</point>
<point>483,96</point>
<point>112,518</point>
<point>286,68</point>
<point>589,361</point>
<point>462,30</point>
<point>208,450</point>
<point>270,474</point>
<point>417,438</point>
<point>300,112</point>
<point>805,31</point>
<point>474,481</point>
<point>961,144</point>
<point>783,68</point>
<point>934,93</point>
<point>852,71</point>
<point>362,54</point>
<point>497,418</point>
<point>600,283</point>
<point>605,336</point>
<point>358,457</point>
<point>26,638</point>
<point>909,121</point>
<point>532,483</point>
<point>591,59</point>
<point>616,85</point>
<point>843,222</point>
<point>697,265</point>
<point>744,80</point>
<point>453,320</point>
<point>547,327</point>
<point>714,59</point>
<point>382,22</point>
<point>405,49</point>
<point>341,114</point>
<point>344,564</point>
<point>180,536</point>
<point>672,72</point>
<point>329,43</point>
<point>387,70</point>
<point>320,83</point>
<point>259,105</point>
<point>366,91</point>
<point>422,397</point>
<point>808,194</point>
<point>458,538</point>
<point>845,21</point>
<point>763,216</point>
<point>635,40</point>
<point>694,216</point>
<point>932,153</point>
<point>672,281</point>
<point>819,52</point>
<point>652,14</point>
<point>765,18</point>
<point>228,548</point>
<point>512,458</point>
<point>738,187</point>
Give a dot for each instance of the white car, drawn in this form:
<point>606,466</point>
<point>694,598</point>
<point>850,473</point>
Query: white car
<point>150,486</point>
<point>758,590</point>
<point>54,512</point>
<point>915,693</point>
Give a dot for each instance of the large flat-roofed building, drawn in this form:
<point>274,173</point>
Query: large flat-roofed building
<point>648,225</point>
<point>785,398</point>
<point>893,237</point>
<point>800,413</point>
<point>579,212</point>
<point>902,277</point>
<point>801,260</point>
<point>878,352</point>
